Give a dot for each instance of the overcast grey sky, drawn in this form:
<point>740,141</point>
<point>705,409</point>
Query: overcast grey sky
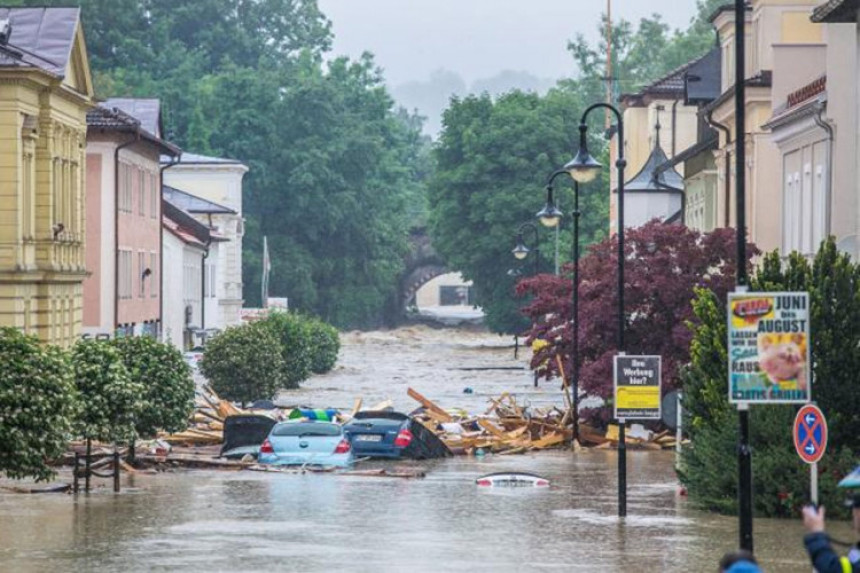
<point>478,38</point>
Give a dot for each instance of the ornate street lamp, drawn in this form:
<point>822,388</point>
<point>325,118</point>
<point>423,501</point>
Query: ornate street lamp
<point>521,251</point>
<point>584,168</point>
<point>550,216</point>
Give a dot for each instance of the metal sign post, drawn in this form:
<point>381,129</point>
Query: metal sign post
<point>637,395</point>
<point>810,442</point>
<point>768,363</point>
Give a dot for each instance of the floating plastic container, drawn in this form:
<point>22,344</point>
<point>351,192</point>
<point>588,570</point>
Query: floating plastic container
<point>322,415</point>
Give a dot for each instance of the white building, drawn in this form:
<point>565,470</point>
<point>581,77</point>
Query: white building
<point>217,182</point>
<point>185,248</point>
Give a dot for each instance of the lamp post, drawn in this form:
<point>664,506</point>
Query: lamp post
<point>550,216</point>
<point>584,168</point>
<point>521,251</point>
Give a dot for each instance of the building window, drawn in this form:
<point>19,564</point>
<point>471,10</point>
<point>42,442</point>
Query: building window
<point>124,188</point>
<point>141,272</point>
<point>153,202</point>
<point>153,278</point>
<point>141,192</point>
<point>212,276</point>
<point>125,275</point>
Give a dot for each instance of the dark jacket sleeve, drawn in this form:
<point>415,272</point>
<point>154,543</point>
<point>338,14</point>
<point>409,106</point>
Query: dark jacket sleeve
<point>824,559</point>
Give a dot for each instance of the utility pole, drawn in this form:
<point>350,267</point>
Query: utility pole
<point>608,114</point>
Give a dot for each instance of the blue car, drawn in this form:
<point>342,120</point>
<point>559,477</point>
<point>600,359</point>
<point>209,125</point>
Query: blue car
<point>383,434</point>
<point>300,442</point>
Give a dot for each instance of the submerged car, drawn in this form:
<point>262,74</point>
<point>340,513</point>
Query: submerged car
<point>383,434</point>
<point>300,442</point>
<point>244,433</point>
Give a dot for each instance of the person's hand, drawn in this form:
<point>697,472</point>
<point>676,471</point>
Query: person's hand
<point>813,519</point>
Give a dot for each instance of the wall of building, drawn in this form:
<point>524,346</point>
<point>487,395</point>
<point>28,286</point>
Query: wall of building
<point>42,178</point>
<point>702,189</point>
<point>139,217</point>
<point>222,184</point>
<point>842,89</point>
<point>429,294</point>
<point>173,321</point>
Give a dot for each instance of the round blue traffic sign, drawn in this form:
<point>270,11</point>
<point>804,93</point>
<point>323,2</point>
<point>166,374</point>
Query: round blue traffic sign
<point>810,433</point>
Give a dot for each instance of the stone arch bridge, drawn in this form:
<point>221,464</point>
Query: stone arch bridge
<point>422,264</point>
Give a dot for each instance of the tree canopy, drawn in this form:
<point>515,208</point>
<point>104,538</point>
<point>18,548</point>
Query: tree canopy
<point>336,171</point>
<point>493,159</point>
<point>664,264</point>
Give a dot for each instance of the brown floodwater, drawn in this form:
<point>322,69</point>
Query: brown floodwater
<point>246,521</point>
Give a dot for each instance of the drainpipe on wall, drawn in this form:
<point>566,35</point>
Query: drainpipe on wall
<point>161,170</point>
<point>825,125</point>
<point>116,226</point>
<point>674,125</point>
<point>728,179</point>
<point>203,291</point>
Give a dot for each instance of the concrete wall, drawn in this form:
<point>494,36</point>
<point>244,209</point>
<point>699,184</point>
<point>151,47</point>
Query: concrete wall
<point>173,321</point>
<point>842,102</point>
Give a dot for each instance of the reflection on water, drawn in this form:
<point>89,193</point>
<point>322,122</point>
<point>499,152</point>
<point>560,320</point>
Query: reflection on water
<point>245,521</point>
<point>196,521</point>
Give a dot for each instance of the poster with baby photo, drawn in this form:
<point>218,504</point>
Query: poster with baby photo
<point>769,347</point>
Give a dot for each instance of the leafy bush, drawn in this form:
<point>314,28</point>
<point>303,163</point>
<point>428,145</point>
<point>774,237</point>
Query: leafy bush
<point>168,389</point>
<point>780,478</point>
<point>110,398</point>
<point>294,335</point>
<point>38,403</point>
<point>324,346</point>
<point>244,363</point>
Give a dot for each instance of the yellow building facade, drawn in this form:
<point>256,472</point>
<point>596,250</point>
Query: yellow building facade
<point>44,98</point>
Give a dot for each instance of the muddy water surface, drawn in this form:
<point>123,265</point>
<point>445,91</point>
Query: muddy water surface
<point>245,521</point>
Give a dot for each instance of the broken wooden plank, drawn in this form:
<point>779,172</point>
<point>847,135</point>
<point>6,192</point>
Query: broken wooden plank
<point>429,404</point>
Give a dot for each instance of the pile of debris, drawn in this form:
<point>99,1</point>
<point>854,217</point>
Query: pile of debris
<point>206,424</point>
<point>507,427</point>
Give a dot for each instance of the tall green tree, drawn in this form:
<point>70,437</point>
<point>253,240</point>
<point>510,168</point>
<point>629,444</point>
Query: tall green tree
<point>640,54</point>
<point>493,159</point>
<point>337,174</point>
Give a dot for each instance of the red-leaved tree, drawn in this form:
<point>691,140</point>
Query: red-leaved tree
<point>663,264</point>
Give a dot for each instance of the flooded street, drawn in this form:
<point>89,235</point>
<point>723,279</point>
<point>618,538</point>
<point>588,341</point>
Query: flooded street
<point>246,521</point>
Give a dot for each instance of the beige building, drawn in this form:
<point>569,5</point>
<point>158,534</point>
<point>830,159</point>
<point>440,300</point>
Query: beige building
<point>45,92</point>
<point>785,51</point>
<point>661,102</point>
<point>841,106</point>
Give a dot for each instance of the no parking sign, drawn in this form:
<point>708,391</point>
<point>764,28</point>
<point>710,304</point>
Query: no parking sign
<point>810,433</point>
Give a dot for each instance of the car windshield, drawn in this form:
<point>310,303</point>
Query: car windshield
<point>306,429</point>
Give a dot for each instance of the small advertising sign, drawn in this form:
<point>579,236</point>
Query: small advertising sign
<point>768,347</point>
<point>637,387</point>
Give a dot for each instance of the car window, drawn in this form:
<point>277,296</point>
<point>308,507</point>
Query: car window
<point>306,429</point>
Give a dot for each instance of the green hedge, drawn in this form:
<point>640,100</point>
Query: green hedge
<point>38,405</point>
<point>324,345</point>
<point>244,363</point>
<point>780,478</point>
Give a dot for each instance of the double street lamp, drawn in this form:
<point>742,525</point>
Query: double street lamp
<point>583,168</point>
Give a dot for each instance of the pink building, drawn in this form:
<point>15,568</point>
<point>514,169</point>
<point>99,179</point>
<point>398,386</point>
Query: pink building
<point>123,226</point>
